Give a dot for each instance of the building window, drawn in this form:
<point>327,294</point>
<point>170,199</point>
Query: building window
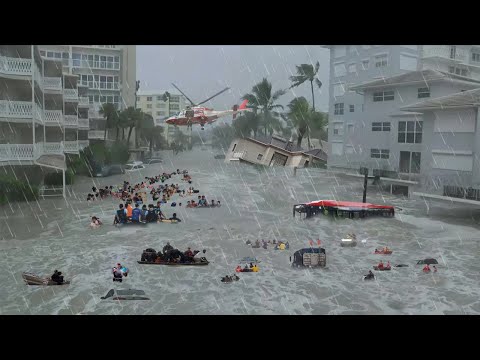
<point>159,113</point>
<point>380,153</point>
<point>149,98</point>
<point>475,57</point>
<point>338,90</point>
<point>174,98</point>
<point>423,93</point>
<point>410,132</point>
<point>381,126</point>
<point>383,96</point>
<point>149,106</point>
<point>352,108</point>
<point>352,68</point>
<point>234,146</point>
<point>337,129</point>
<point>338,109</point>
<point>350,128</point>
<point>159,98</point>
<point>259,157</point>
<point>365,64</point>
<point>339,69</point>
<point>381,61</point>
<point>458,71</point>
<point>174,107</point>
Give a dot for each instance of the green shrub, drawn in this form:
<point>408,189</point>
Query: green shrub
<point>56,178</point>
<point>117,153</point>
<point>12,189</point>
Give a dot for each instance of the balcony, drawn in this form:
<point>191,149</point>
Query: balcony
<point>83,101</point>
<point>18,110</point>
<point>17,152</point>
<point>83,123</point>
<point>70,94</point>
<point>53,117</point>
<point>444,52</point>
<point>71,121</point>
<point>94,114</point>
<point>71,146</point>
<point>96,134</point>
<point>82,144</point>
<point>50,148</point>
<point>15,66</point>
<point>52,83</point>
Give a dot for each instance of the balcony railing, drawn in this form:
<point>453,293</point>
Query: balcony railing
<point>52,148</point>
<point>52,83</point>
<point>15,66</point>
<point>12,152</point>
<point>71,120</point>
<point>53,117</point>
<point>83,100</point>
<point>444,51</point>
<point>82,144</point>
<point>20,110</point>
<point>70,94</point>
<point>71,146</point>
<point>96,134</point>
<point>239,155</point>
<point>83,123</point>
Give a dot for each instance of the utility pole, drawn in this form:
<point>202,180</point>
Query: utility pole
<point>364,171</point>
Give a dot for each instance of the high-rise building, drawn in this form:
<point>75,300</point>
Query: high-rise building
<point>105,73</point>
<point>161,106</point>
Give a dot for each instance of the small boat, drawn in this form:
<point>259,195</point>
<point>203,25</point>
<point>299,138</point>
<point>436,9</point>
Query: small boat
<point>429,261</point>
<point>195,263</point>
<point>383,252</point>
<point>32,279</point>
<point>348,242</point>
<point>366,277</point>
<point>382,269</point>
<point>130,294</point>
<point>249,259</point>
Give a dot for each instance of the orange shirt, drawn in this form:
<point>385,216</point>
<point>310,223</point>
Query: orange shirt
<point>129,210</point>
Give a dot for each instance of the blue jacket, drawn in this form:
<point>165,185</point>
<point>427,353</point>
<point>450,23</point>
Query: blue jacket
<point>136,213</point>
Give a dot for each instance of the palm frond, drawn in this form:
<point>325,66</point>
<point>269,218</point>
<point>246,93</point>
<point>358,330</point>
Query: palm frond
<point>318,82</point>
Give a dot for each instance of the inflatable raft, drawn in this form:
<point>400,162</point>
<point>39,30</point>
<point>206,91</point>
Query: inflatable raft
<point>32,279</point>
<point>383,252</point>
<point>130,294</point>
<point>196,263</point>
<point>348,243</point>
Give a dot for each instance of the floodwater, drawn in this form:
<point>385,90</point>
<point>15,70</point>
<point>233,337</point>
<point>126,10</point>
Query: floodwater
<point>256,204</point>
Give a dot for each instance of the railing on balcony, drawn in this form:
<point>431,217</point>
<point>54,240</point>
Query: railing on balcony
<point>15,66</point>
<point>71,120</point>
<point>70,94</point>
<point>71,146</point>
<point>444,51</point>
<point>11,152</point>
<point>52,83</point>
<point>83,100</point>
<point>83,123</point>
<point>82,144</point>
<point>53,117</point>
<point>240,155</point>
<point>17,109</point>
<point>96,134</point>
<point>52,148</point>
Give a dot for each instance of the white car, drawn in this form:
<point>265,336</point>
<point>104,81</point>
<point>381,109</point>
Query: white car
<point>134,167</point>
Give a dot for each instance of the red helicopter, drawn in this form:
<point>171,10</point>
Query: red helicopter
<point>201,115</point>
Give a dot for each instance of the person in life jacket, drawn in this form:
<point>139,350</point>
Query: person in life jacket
<point>388,265</point>
<point>380,265</point>
<point>129,209</point>
<point>121,216</point>
<point>136,213</point>
<point>238,268</point>
<point>255,268</point>
<point>281,246</point>
<point>426,268</point>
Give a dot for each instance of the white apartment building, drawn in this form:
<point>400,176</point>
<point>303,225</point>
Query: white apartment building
<point>152,102</point>
<point>38,118</point>
<point>105,74</point>
<point>372,122</point>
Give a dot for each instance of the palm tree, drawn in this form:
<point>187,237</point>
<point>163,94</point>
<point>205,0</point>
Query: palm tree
<point>110,113</point>
<point>306,72</point>
<point>300,113</point>
<point>262,99</point>
<point>131,118</point>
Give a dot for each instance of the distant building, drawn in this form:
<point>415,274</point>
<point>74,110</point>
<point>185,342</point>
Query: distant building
<point>273,151</point>
<point>152,102</point>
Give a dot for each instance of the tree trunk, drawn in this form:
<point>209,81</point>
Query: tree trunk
<point>105,134</point>
<point>118,130</point>
<point>308,125</point>
<point>129,134</point>
<point>123,133</point>
<point>299,140</point>
<point>313,96</point>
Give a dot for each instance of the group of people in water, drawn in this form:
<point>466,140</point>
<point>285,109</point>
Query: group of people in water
<point>248,268</point>
<point>129,214</point>
<point>280,245</point>
<point>202,202</point>
<point>171,255</point>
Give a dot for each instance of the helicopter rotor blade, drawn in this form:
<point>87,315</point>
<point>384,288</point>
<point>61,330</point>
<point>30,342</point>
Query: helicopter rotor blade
<point>211,97</point>
<point>176,87</point>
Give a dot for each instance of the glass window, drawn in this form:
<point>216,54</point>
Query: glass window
<point>410,132</point>
<point>149,98</point>
<point>381,61</point>
<point>338,109</point>
<point>423,93</point>
<point>58,55</point>
<point>377,126</point>
<point>383,96</point>
<point>352,108</point>
<point>65,55</point>
<point>365,64</point>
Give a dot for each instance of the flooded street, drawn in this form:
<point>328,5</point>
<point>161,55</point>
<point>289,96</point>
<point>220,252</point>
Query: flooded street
<point>256,204</point>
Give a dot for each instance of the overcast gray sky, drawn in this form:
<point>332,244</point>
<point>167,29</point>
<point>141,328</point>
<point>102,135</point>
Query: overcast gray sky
<point>202,70</point>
